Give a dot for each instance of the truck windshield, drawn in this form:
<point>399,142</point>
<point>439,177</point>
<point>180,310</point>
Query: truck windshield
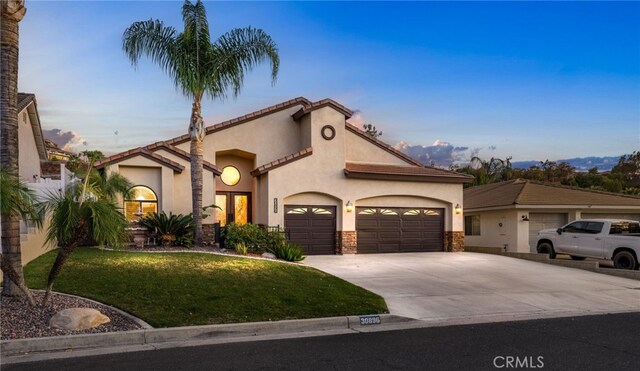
<point>624,228</point>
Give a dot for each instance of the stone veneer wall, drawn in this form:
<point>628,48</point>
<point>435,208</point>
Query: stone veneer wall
<point>346,242</point>
<point>453,241</point>
<point>208,234</point>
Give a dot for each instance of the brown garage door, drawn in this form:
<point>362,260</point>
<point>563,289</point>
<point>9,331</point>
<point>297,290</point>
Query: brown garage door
<point>312,227</point>
<point>394,229</point>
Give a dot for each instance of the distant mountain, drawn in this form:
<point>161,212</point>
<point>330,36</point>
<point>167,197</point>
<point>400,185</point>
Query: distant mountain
<point>580,163</point>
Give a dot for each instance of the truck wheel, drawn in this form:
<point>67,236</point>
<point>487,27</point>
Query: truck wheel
<point>577,257</point>
<point>625,260</point>
<point>546,248</point>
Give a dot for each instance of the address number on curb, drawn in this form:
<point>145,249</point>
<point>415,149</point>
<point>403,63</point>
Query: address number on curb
<point>370,320</point>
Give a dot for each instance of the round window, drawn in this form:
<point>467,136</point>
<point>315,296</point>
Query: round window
<point>230,176</point>
<point>328,132</point>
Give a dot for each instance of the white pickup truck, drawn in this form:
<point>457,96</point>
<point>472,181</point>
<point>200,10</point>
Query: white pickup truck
<point>612,239</point>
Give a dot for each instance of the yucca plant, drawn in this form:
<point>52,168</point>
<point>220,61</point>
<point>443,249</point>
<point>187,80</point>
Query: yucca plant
<point>171,229</point>
<point>85,210</point>
<point>288,251</point>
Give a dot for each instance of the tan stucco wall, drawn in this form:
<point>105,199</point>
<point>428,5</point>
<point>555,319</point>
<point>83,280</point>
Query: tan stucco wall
<point>269,138</point>
<point>321,175</point>
<point>34,245</point>
<point>494,235</point>
<point>28,158</point>
<point>358,149</point>
<point>244,166</point>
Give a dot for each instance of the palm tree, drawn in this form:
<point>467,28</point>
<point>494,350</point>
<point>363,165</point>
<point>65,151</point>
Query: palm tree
<point>85,210</point>
<point>199,67</point>
<point>12,13</point>
<point>17,199</point>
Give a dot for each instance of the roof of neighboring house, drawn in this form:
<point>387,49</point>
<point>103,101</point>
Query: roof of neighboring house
<point>282,161</point>
<point>409,173</point>
<point>529,192</point>
<point>182,154</point>
<point>24,101</point>
<point>140,151</point>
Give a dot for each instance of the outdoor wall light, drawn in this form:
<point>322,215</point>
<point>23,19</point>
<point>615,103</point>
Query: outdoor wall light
<point>458,209</point>
<point>349,206</point>
<point>525,218</point>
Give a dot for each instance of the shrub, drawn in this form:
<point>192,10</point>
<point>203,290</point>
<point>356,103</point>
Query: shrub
<point>288,251</point>
<point>170,229</point>
<point>251,235</point>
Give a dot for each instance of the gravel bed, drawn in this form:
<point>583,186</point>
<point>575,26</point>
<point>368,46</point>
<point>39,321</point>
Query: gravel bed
<point>19,321</point>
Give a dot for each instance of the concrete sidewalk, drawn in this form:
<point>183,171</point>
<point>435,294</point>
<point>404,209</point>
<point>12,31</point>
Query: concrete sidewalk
<point>474,287</point>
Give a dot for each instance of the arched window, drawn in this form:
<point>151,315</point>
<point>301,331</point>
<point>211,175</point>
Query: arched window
<point>143,201</point>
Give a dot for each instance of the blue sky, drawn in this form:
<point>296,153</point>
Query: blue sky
<point>533,81</point>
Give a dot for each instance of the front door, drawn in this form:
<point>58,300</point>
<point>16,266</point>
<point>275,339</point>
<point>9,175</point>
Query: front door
<point>236,208</point>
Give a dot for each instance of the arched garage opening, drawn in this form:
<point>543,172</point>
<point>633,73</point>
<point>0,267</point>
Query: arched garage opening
<point>310,220</point>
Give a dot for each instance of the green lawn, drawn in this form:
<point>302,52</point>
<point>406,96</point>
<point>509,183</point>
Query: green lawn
<point>180,289</point>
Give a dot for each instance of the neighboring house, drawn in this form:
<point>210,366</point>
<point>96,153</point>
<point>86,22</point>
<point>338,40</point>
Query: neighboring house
<point>300,165</point>
<point>510,214</point>
<point>31,156</point>
<point>55,153</point>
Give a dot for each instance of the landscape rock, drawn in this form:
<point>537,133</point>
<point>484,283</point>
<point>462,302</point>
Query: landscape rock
<point>268,255</point>
<point>78,319</point>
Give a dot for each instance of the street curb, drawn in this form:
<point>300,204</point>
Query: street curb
<point>190,333</point>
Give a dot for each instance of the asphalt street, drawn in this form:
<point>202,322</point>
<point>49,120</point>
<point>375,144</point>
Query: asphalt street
<point>603,342</point>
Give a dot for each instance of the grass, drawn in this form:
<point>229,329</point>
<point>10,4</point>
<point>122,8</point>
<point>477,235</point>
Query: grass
<point>182,289</point>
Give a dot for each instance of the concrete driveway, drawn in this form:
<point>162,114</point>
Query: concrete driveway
<point>473,287</point>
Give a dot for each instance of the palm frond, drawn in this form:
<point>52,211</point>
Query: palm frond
<point>152,39</point>
<point>17,198</point>
<point>235,53</point>
<point>196,26</point>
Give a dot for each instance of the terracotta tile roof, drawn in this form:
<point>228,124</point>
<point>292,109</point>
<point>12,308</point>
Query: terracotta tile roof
<point>24,99</point>
<point>409,173</point>
<point>245,118</point>
<point>183,154</point>
<point>139,152</point>
<point>354,129</point>
<point>323,103</point>
<point>282,161</point>
<point>529,192</point>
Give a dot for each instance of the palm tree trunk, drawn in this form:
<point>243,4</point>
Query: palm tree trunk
<point>16,279</point>
<point>12,12</point>
<point>197,133</point>
<point>61,258</point>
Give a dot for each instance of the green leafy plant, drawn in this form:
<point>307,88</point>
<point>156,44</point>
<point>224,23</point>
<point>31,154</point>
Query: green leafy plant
<point>84,210</point>
<point>170,229</point>
<point>288,251</point>
<point>241,248</point>
<point>251,235</point>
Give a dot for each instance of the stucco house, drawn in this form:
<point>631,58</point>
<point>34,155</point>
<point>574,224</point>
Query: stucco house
<point>32,152</point>
<point>301,165</point>
<point>510,214</point>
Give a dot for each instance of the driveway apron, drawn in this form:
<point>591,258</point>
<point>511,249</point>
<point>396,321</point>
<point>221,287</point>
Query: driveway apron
<point>472,287</point>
